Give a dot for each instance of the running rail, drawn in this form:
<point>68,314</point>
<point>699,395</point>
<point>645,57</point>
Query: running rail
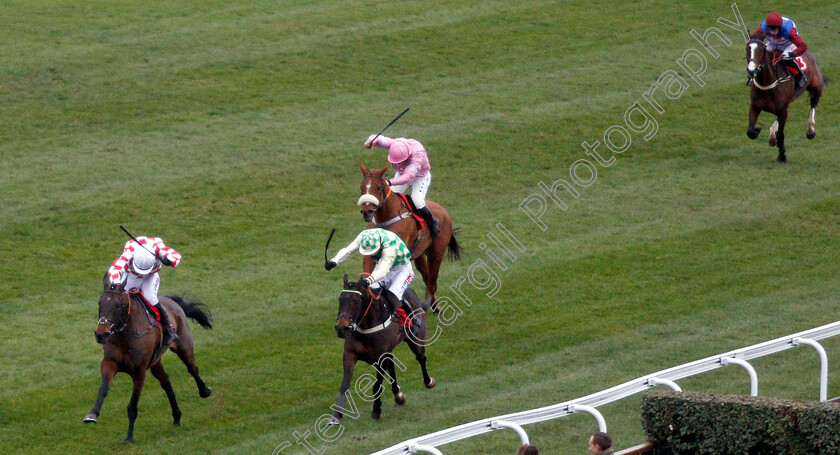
<point>589,402</point>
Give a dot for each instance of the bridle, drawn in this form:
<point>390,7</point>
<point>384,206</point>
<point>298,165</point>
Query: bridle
<point>362,312</point>
<point>385,192</point>
<point>119,325</point>
<point>753,74</point>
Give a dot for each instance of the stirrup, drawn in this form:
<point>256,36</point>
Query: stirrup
<point>169,335</point>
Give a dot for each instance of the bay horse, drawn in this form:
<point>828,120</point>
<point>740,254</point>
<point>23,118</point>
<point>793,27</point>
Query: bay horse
<point>773,90</point>
<point>131,345</point>
<point>382,208</point>
<point>370,335</point>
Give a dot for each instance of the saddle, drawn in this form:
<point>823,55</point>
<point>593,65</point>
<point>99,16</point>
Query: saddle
<point>152,313</point>
<point>411,207</point>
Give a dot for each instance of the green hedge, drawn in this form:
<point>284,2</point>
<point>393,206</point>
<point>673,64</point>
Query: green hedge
<point>694,423</point>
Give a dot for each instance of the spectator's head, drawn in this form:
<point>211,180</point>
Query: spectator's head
<point>599,442</point>
<point>528,449</point>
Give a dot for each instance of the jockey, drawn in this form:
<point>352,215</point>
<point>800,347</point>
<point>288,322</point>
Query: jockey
<point>408,157</point>
<point>780,35</point>
<point>138,266</point>
<point>393,269</point>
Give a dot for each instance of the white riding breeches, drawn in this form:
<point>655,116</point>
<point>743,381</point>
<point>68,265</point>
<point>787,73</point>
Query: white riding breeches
<point>789,48</point>
<point>419,188</point>
<point>397,280</point>
<point>148,285</point>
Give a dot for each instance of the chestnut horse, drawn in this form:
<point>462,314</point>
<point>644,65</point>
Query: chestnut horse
<point>370,335</point>
<point>773,90</point>
<point>382,208</point>
<point>132,345</point>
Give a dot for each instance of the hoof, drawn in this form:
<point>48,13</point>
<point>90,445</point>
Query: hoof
<point>334,421</point>
<point>90,418</point>
<point>772,141</point>
<point>432,383</point>
<point>128,441</point>
<point>754,133</point>
<point>811,134</point>
<point>399,398</point>
<point>781,159</point>
<point>205,393</point>
<point>375,415</point>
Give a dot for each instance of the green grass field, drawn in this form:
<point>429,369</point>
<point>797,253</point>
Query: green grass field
<point>234,131</point>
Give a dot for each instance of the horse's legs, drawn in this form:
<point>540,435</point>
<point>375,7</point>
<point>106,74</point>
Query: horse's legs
<point>752,130</point>
<point>377,403</point>
<point>139,378</point>
<point>772,136</point>
<point>422,265</point>
<point>349,362</point>
<point>780,135</point>
<point>399,397</point>
<point>159,373</point>
<point>434,261</point>
<point>184,350</point>
<point>419,351</point>
<point>815,92</point>
<point>109,369</point>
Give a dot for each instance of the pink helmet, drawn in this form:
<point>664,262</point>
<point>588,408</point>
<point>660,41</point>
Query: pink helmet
<point>398,151</point>
<point>774,19</point>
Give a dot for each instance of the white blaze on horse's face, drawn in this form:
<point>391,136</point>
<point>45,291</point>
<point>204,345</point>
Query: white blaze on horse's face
<point>751,65</point>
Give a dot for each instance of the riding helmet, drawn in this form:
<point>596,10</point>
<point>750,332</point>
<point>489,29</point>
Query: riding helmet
<point>143,262</point>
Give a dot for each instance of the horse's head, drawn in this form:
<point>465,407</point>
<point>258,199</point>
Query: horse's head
<point>113,312</point>
<point>755,57</point>
<point>351,308</point>
<point>375,191</point>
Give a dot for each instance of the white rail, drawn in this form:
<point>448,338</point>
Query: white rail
<point>590,402</point>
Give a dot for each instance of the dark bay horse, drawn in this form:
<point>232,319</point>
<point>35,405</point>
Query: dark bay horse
<point>370,335</point>
<point>132,345</point>
<point>380,207</point>
<point>773,90</point>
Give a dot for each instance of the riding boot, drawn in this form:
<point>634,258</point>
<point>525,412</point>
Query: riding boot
<point>169,335</point>
<point>415,319</point>
<point>801,80</point>
<point>434,224</point>
<point>395,304</point>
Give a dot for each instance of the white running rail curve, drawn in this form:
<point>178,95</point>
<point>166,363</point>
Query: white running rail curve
<point>429,442</point>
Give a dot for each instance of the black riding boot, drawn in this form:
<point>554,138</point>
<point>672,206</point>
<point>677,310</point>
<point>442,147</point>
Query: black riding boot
<point>169,335</point>
<point>434,224</point>
<point>395,303</point>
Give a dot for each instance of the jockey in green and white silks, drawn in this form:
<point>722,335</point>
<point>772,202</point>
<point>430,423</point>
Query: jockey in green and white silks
<point>393,269</point>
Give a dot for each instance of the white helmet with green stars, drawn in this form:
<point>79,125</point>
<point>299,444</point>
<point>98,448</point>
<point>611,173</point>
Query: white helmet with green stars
<point>371,242</point>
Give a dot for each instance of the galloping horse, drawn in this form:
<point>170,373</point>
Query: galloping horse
<point>772,91</point>
<point>370,335</point>
<point>132,346</point>
<point>380,207</point>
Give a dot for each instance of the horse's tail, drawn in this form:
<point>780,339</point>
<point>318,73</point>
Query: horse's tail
<point>194,311</point>
<point>454,249</point>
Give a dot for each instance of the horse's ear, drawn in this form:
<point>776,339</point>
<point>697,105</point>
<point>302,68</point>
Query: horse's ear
<point>382,171</point>
<point>346,282</point>
<point>106,283</point>
<point>363,168</point>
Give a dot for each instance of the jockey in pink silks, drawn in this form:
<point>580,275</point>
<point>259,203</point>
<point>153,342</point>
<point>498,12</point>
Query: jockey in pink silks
<point>138,267</point>
<point>408,157</point>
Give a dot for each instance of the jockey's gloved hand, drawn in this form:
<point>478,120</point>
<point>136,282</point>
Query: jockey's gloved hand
<point>786,55</point>
<point>165,261</point>
<point>329,265</point>
<point>367,282</point>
